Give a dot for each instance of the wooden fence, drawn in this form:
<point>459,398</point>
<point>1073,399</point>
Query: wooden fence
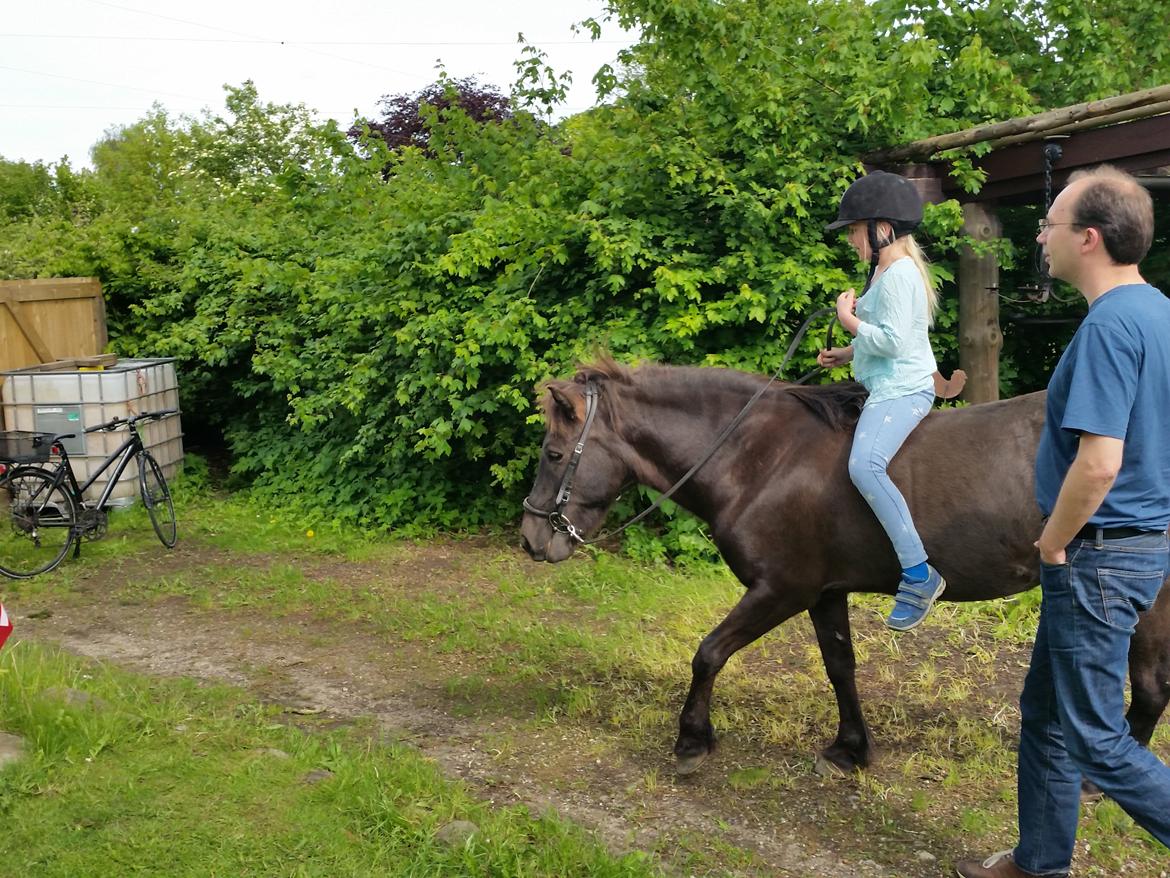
<point>50,319</point>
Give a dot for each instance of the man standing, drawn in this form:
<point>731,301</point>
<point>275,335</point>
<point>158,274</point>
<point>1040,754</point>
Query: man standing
<point>1103,481</point>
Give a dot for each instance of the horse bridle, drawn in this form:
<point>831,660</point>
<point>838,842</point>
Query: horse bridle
<point>557,518</point>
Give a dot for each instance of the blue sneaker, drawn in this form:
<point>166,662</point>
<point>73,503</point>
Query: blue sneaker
<point>914,600</point>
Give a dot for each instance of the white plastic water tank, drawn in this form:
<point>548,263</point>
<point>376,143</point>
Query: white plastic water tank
<point>47,400</point>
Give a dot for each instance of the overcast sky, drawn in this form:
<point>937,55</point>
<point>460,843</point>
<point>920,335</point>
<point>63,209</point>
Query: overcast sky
<point>72,69</point>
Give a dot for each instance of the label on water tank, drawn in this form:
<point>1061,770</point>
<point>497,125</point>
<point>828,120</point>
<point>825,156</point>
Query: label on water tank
<point>61,419</point>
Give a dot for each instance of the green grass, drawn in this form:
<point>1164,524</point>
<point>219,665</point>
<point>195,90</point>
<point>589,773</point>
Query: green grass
<point>175,778</point>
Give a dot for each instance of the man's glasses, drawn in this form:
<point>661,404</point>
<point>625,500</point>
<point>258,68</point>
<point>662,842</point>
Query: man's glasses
<point>1044,225</point>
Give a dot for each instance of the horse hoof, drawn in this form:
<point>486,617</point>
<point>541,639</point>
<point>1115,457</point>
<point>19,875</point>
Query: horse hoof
<point>689,764</point>
<point>827,768</point>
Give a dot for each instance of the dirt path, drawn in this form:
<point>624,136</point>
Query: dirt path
<point>326,673</point>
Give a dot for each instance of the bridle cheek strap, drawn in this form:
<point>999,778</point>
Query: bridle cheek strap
<point>556,517</point>
<point>566,489</point>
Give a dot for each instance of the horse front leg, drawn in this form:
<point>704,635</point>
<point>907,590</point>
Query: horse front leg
<point>759,611</point>
<point>853,747</point>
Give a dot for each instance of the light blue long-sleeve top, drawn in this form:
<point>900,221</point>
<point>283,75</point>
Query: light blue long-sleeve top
<point>892,356</point>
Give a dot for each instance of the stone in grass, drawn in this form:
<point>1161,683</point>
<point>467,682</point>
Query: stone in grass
<point>76,697</point>
<point>11,748</point>
<point>317,775</point>
<point>456,833</point>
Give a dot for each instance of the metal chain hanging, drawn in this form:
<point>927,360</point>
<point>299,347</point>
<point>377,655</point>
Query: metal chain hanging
<point>1052,154</point>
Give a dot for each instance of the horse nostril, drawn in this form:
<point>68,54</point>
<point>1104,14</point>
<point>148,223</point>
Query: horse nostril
<point>527,546</point>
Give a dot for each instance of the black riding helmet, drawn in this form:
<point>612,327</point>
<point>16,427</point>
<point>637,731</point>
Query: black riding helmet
<point>880,196</point>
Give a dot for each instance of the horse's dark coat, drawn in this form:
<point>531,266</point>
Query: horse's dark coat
<point>791,526</point>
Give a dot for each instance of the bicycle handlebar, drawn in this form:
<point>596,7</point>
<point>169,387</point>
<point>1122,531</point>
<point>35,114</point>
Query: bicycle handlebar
<point>133,419</point>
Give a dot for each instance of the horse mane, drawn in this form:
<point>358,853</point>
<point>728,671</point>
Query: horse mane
<point>838,405</point>
<point>604,367</point>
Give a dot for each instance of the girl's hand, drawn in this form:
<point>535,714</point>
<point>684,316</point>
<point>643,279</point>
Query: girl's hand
<point>846,302</point>
<point>833,357</point>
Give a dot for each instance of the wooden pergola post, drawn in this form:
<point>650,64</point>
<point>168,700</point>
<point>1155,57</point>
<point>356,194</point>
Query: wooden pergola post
<point>980,339</point>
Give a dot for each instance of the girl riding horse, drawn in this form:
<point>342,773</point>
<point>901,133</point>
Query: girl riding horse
<point>892,357</point>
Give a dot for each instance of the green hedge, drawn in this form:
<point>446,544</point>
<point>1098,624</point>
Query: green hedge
<point>368,329</point>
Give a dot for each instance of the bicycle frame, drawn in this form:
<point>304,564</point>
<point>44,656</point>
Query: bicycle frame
<point>85,520</point>
<point>121,457</point>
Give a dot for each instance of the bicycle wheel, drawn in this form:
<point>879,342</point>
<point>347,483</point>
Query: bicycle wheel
<point>156,497</point>
<point>38,521</point>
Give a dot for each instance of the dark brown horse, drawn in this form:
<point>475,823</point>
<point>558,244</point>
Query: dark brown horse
<point>791,526</point>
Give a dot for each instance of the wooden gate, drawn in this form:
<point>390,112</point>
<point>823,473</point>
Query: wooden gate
<point>50,319</point>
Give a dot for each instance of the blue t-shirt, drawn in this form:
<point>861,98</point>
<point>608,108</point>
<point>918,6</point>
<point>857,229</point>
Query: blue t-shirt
<point>1114,380</point>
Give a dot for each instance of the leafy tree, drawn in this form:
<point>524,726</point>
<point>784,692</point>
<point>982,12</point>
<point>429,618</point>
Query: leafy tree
<point>407,119</point>
<point>26,190</point>
<point>1061,53</point>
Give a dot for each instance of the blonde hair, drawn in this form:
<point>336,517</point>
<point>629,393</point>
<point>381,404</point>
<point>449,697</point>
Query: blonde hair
<point>923,265</point>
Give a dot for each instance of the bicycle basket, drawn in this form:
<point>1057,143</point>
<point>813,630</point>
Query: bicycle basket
<point>19,446</point>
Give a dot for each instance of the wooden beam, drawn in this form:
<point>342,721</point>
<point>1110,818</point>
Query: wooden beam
<point>101,335</point>
<point>51,281</point>
<point>21,318</point>
<point>50,289</point>
<point>1017,172</point>
<point>980,338</point>
<point>1024,189</point>
<point>73,364</point>
<point>921,149</point>
<point>1098,122</point>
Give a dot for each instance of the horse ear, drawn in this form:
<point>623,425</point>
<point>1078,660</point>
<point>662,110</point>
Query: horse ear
<point>570,407</point>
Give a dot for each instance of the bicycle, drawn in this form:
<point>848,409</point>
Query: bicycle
<point>45,506</point>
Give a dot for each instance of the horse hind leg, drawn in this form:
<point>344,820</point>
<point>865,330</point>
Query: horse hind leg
<point>853,747</point>
<point>759,611</point>
<point>1149,669</point>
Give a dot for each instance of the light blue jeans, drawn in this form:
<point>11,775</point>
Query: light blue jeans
<point>1073,705</point>
<point>881,430</point>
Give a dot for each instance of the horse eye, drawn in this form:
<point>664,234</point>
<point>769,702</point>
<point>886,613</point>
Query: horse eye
<point>554,455</point>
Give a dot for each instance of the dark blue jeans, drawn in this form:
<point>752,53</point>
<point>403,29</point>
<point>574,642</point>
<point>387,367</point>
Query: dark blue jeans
<point>1073,705</point>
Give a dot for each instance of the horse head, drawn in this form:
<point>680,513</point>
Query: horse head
<point>581,470</point>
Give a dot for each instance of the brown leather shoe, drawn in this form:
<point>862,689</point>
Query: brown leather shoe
<point>999,865</point>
